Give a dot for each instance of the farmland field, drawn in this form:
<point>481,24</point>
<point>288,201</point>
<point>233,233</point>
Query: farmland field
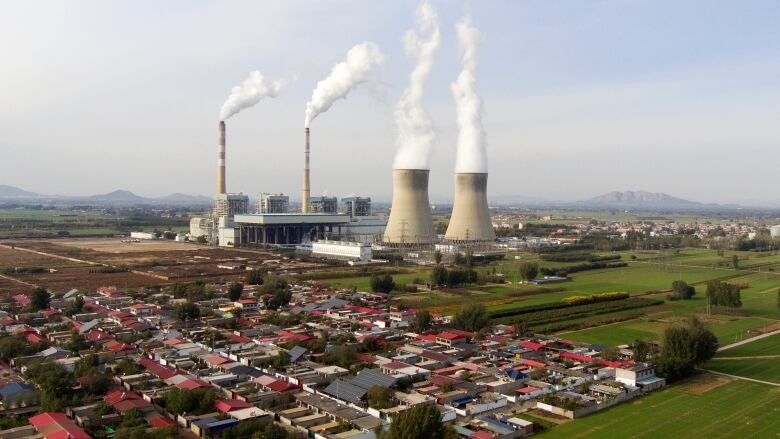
<point>765,369</point>
<point>734,409</point>
<point>765,346</point>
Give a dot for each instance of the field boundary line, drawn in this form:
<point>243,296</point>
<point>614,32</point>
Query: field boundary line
<point>737,377</point>
<point>754,357</point>
<point>748,340</point>
<point>18,280</point>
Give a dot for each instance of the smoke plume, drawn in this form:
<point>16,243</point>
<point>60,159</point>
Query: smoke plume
<point>415,133</point>
<point>472,156</point>
<point>250,92</point>
<point>344,77</point>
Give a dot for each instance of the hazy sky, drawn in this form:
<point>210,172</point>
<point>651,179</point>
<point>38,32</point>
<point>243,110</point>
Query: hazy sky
<point>581,97</point>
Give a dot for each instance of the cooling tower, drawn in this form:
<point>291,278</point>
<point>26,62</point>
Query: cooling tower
<point>306,188</point>
<point>410,217</point>
<point>470,215</point>
<point>221,159</point>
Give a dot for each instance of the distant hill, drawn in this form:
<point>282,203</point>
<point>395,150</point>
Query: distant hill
<point>641,199</point>
<point>15,192</point>
<point>120,196</point>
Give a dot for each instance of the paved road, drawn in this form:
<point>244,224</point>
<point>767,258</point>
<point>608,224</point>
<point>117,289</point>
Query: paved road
<point>748,340</point>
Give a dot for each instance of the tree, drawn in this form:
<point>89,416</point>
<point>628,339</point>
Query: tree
<point>681,290</point>
<point>195,401</point>
<point>724,294</point>
<point>186,311</point>
<point>642,351</point>
<point>234,291</point>
<point>685,347</point>
<point>437,257</point>
<point>39,299</point>
<point>611,353</point>
<point>201,239</point>
<point>179,290</point>
<point>528,270</point>
<point>471,318</point>
<point>75,307</point>
<point>735,261</point>
<point>421,421</point>
<point>280,298</point>
<point>254,277</point>
<point>422,320</point>
<point>383,284</point>
<point>380,397</point>
<point>439,275</point>
<point>521,327</point>
<point>126,367</point>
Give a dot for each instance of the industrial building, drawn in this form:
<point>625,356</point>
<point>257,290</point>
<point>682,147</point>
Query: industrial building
<point>287,228</point>
<point>354,251</point>
<point>230,204</point>
<point>273,203</point>
<point>774,231</point>
<point>356,206</point>
<point>323,204</point>
<point>201,226</point>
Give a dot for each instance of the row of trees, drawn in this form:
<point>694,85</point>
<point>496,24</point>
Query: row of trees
<point>684,347</point>
<point>724,294</point>
<point>681,291</point>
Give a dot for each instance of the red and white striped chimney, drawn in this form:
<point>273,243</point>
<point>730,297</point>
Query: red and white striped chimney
<point>221,159</point>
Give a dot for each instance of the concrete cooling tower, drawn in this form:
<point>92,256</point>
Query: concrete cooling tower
<point>410,216</point>
<point>470,215</point>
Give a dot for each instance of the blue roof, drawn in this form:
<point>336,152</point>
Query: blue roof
<point>205,421</point>
<point>15,389</point>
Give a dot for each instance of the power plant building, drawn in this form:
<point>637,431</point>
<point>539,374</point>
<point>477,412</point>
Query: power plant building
<point>273,203</point>
<point>774,231</point>
<point>201,226</point>
<point>356,206</point>
<point>323,205</point>
<point>230,204</point>
<point>287,228</point>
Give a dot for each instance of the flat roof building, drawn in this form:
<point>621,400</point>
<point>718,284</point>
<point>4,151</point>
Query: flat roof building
<point>273,203</point>
<point>287,228</point>
<point>323,205</point>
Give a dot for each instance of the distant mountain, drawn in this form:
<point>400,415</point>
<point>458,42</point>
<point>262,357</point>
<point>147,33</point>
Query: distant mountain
<point>15,192</point>
<point>641,199</point>
<point>120,196</point>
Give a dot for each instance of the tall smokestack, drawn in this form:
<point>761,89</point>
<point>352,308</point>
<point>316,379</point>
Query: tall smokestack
<point>470,219</point>
<point>221,159</point>
<point>410,219</point>
<point>306,187</point>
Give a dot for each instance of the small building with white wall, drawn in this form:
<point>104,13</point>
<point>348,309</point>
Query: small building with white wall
<point>774,231</point>
<point>142,235</point>
<point>342,249</point>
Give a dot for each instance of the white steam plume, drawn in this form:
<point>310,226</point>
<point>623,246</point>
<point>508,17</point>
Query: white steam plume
<point>251,91</point>
<point>415,133</point>
<point>472,156</point>
<point>344,77</point>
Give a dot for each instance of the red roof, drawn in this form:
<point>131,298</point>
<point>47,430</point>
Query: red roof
<point>22,299</point>
<point>216,360</point>
<point>449,336</point>
<point>430,337</point>
<point>118,346</point>
<point>157,369</point>
<point>528,344</point>
<point>228,405</point>
<point>533,363</point>
<point>281,386</point>
<point>481,435</point>
<point>190,384</point>
<point>578,357</point>
<point>158,421</point>
<point>365,358</point>
<point>528,389</point>
<point>57,425</point>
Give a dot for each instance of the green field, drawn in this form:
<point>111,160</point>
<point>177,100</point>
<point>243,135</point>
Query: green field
<point>765,346</point>
<point>735,409</point>
<point>767,369</point>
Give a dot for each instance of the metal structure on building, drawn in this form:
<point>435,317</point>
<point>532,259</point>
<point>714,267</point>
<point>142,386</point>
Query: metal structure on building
<point>273,203</point>
<point>230,204</point>
<point>323,204</point>
<point>356,206</point>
